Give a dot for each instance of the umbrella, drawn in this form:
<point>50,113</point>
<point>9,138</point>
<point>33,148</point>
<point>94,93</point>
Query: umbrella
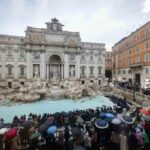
<point>3,130</point>
<point>26,124</point>
<point>112,112</point>
<point>57,114</point>
<point>127,119</point>
<point>102,115</point>
<point>109,115</point>
<point>147,118</point>
<point>108,119</point>
<point>144,111</point>
<point>51,118</point>
<point>119,116</point>
<point>76,131</point>
<point>116,121</point>
<point>78,148</point>
<point>52,129</point>
<point>11,133</point>
<point>63,113</point>
<point>43,128</point>
<point>101,124</point>
<point>34,135</point>
<point>80,120</point>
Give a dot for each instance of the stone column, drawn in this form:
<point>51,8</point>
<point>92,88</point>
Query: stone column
<point>62,71</point>
<point>42,65</point>
<point>3,65</point>
<point>47,70</point>
<point>66,66</point>
<point>77,67</point>
<point>28,64</point>
<point>16,67</point>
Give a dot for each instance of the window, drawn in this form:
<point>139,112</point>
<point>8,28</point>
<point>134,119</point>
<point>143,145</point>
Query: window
<point>137,49</point>
<point>22,70</point>
<point>130,71</point>
<point>9,70</point>
<point>130,51</point>
<point>146,70</point>
<point>99,70</point>
<point>130,61</point>
<point>9,52</point>
<point>82,71</point>
<point>137,60</point>
<point>114,72</point>
<point>91,71</point>
<point>91,57</point>
<point>82,57</point>
<point>146,45</point>
<point>99,56</point>
<point>22,53</point>
<point>146,57</point>
<point>124,72</point>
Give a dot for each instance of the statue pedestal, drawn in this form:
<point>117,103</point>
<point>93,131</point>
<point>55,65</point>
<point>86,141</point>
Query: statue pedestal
<point>57,91</point>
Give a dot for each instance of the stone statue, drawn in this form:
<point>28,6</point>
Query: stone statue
<point>55,77</point>
<point>72,69</point>
<point>36,72</point>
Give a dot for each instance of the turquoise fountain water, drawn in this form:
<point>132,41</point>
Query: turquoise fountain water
<point>51,106</point>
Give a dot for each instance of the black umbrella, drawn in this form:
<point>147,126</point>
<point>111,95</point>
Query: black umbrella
<point>48,122</point>
<point>78,148</point>
<point>127,120</point>
<point>57,114</point>
<point>76,131</point>
<point>63,113</point>
<point>26,124</point>
<point>101,124</point>
<point>43,128</point>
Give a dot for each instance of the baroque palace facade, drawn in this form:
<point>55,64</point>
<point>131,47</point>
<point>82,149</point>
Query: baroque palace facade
<point>50,54</point>
<point>131,57</point>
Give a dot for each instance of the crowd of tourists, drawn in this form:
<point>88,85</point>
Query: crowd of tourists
<point>104,128</point>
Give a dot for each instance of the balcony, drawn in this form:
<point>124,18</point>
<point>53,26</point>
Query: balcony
<point>10,76</point>
<point>82,76</point>
<point>9,58</point>
<point>22,76</point>
<point>91,76</point>
<point>22,59</point>
<point>136,65</point>
<point>83,61</point>
<point>91,62</point>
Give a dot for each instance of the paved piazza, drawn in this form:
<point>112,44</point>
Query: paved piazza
<point>50,54</point>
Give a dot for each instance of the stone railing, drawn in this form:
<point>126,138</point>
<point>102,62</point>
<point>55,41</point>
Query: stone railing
<point>22,76</point>
<point>10,76</point>
<point>138,95</point>
<point>83,76</point>
<point>91,76</point>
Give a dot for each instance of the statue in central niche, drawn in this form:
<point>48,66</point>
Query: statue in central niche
<point>55,77</point>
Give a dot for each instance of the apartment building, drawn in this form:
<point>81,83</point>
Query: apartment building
<point>131,57</point>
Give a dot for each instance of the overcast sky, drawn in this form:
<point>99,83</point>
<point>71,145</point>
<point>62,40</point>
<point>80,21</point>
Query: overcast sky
<point>104,21</point>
